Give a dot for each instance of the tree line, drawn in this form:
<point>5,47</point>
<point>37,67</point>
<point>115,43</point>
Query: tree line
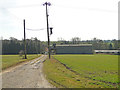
<point>35,46</point>
<point>14,46</point>
<point>97,44</point>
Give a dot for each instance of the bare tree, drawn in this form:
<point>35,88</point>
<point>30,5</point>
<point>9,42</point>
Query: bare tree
<point>76,40</point>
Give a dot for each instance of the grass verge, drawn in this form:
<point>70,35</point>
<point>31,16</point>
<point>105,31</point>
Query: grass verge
<point>61,77</point>
<point>12,60</point>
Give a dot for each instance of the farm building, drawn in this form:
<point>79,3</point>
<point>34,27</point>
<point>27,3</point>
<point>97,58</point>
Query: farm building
<point>107,51</point>
<point>74,49</point>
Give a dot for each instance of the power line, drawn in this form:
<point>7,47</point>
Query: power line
<point>35,29</point>
<point>13,15</point>
<point>23,6</point>
<point>62,6</point>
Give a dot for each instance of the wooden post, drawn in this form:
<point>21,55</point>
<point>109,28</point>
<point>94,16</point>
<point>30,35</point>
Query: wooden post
<point>24,40</point>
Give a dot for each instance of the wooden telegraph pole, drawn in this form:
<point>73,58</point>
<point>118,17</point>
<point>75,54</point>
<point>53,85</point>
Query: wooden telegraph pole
<point>47,3</point>
<point>24,40</point>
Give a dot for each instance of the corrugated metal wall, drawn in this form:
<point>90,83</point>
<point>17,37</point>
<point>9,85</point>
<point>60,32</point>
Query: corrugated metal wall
<point>74,50</point>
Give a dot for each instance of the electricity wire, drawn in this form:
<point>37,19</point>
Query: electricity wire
<point>62,6</point>
<point>23,6</point>
<point>13,15</point>
<point>35,29</point>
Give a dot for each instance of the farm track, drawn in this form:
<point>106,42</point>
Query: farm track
<point>110,83</point>
<point>27,75</point>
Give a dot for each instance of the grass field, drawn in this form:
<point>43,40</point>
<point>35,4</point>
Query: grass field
<point>10,60</point>
<point>83,71</point>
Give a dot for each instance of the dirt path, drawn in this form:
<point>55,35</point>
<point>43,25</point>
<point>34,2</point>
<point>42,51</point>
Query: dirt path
<point>28,75</point>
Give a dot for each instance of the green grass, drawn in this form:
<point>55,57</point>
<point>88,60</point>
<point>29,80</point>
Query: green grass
<point>11,60</point>
<point>92,71</point>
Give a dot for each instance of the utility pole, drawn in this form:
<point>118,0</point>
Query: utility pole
<point>24,40</point>
<point>47,3</point>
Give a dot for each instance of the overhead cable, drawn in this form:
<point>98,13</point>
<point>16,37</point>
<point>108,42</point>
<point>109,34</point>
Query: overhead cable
<point>35,29</point>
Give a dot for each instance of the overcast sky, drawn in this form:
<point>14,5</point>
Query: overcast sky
<point>69,18</point>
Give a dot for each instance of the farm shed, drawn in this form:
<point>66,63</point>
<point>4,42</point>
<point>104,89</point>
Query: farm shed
<point>107,51</point>
<point>74,49</point>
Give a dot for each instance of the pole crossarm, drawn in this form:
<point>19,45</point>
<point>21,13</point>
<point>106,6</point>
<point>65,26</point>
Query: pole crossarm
<point>47,3</point>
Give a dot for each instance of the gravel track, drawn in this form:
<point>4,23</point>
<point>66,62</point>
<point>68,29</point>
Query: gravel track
<point>27,75</point>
